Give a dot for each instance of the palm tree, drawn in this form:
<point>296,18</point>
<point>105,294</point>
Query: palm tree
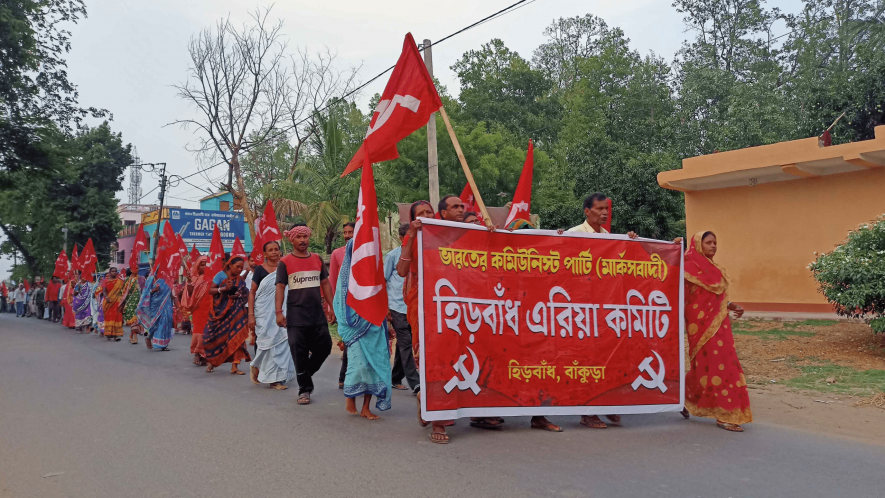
<point>316,192</point>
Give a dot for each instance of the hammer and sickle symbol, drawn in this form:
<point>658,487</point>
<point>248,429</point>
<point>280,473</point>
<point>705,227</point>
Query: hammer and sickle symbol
<point>469,380</point>
<point>657,378</point>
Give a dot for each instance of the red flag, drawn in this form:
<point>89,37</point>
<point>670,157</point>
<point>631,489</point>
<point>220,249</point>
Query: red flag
<point>237,249</point>
<point>27,285</point>
<point>75,260</point>
<point>216,254</point>
<point>367,289</point>
<point>3,289</point>
<point>61,265</point>
<point>406,105</point>
<point>257,253</point>
<point>267,225</point>
<point>522,198</point>
<point>140,245</point>
<point>168,259</point>
<point>88,261</point>
<point>194,255</point>
<point>469,201</point>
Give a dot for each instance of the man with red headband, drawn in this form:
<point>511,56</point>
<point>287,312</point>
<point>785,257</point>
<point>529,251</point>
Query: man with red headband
<point>307,280</point>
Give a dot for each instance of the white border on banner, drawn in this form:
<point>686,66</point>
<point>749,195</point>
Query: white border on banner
<point>521,411</point>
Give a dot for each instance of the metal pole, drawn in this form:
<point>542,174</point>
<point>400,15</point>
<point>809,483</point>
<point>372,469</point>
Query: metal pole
<point>65,230</point>
<point>432,157</point>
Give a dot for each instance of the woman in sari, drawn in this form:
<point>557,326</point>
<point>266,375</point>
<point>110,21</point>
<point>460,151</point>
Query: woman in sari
<point>407,267</point>
<point>368,352</point>
<point>224,339</point>
<point>273,362</point>
<point>155,313</point>
<point>97,311</point>
<point>131,296</point>
<point>715,386</point>
<point>198,303</point>
<point>68,318</point>
<point>112,292</point>
<point>82,306</point>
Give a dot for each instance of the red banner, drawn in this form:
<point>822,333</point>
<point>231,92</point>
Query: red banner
<point>537,323</point>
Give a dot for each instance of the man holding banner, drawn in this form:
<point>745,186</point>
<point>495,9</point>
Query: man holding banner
<point>534,323</point>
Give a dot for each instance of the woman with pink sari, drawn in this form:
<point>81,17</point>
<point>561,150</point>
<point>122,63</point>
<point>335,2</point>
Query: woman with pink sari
<point>715,387</point>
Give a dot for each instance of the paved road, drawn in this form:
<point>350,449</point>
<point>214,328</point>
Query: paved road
<point>123,421</point>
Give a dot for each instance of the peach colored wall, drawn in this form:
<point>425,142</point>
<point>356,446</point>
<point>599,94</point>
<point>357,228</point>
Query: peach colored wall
<point>768,233</point>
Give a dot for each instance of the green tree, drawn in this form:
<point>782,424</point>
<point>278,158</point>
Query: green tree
<point>852,276</point>
<point>79,193</point>
<point>500,89</point>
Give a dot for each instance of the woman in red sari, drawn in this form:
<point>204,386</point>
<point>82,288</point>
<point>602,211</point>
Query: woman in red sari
<point>68,319</point>
<point>198,304</point>
<point>715,386</point>
<point>224,339</point>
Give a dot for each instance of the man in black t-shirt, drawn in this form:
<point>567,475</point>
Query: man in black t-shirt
<point>307,279</point>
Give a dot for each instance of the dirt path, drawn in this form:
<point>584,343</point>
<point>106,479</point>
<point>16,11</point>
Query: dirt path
<point>811,375</point>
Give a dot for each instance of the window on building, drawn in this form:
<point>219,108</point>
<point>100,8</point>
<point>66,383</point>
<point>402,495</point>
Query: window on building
<point>129,222</point>
<point>224,206</point>
<point>121,257</point>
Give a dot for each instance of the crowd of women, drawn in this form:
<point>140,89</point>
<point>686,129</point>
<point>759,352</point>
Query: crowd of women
<point>242,306</point>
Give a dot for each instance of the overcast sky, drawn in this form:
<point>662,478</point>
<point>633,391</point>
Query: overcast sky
<point>127,54</point>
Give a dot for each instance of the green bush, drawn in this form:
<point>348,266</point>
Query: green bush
<point>852,277</point>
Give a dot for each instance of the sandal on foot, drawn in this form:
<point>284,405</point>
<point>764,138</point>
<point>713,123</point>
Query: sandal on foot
<point>253,375</point>
<point>685,413</point>
<point>729,427</point>
<point>592,422</point>
<point>486,423</point>
<point>210,369</point>
<point>278,386</point>
<point>304,399</point>
<point>399,387</point>
<point>614,420</point>
<point>237,372</point>
<point>546,426</point>
<point>439,438</point>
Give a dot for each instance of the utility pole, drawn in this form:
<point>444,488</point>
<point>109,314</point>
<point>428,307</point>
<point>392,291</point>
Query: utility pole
<point>156,237</point>
<point>65,230</point>
<point>432,158</point>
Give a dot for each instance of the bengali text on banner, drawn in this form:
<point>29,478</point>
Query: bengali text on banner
<point>533,322</point>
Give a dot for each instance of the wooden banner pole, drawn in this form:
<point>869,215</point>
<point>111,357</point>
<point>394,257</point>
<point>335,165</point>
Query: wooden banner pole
<point>463,160</point>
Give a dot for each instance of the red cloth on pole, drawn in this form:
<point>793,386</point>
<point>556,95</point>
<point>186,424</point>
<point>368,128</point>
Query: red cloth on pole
<point>75,260</point>
<point>61,265</point>
<point>27,285</point>
<point>140,245</point>
<point>216,255</point>
<point>367,288</point>
<point>237,249</point>
<point>268,230</point>
<point>522,197</point>
<point>89,261</point>
<point>406,105</point>
<point>168,260</point>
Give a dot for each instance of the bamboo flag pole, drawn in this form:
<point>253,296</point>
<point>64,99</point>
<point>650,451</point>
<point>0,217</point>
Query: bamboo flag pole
<point>470,180</point>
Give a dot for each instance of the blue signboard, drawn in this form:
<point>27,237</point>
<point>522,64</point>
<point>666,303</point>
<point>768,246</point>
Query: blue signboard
<point>196,226</point>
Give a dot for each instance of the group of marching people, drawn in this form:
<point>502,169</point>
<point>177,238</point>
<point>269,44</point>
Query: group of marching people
<point>282,307</point>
